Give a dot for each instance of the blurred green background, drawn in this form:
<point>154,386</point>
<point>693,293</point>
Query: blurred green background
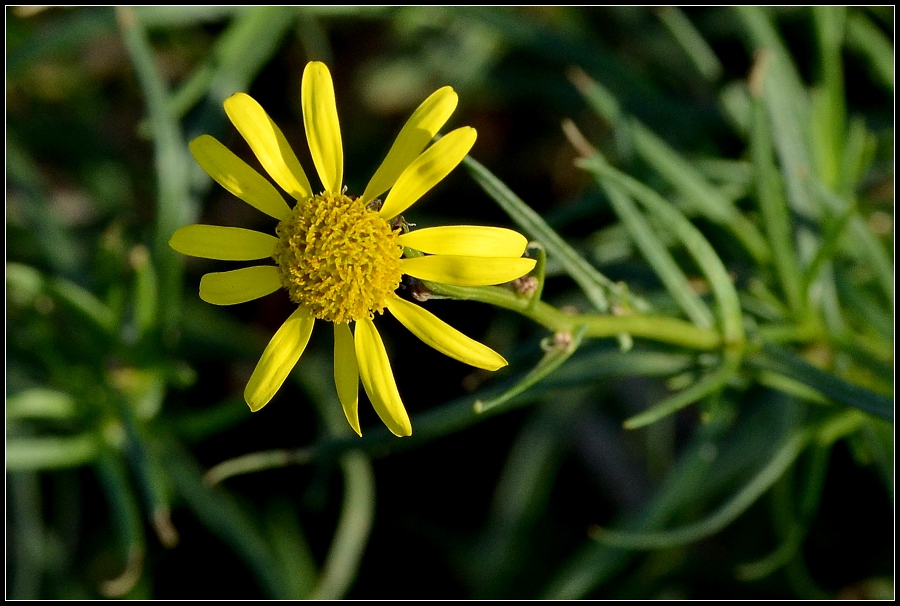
<point>712,189</point>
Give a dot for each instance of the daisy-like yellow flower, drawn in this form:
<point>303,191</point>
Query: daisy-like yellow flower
<point>340,257</point>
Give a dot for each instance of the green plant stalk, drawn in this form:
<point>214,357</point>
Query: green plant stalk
<point>354,527</point>
<point>662,329</point>
<point>704,255</point>
<point>351,536</point>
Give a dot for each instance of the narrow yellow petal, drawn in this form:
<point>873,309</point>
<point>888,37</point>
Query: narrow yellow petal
<point>239,285</point>
<point>269,144</point>
<point>237,177</point>
<point>346,374</point>
<point>466,271</point>
<point>470,240</point>
<point>323,132</point>
<point>421,128</point>
<point>222,243</point>
<point>427,170</point>
<point>378,378</point>
<point>279,358</point>
<point>443,337</point>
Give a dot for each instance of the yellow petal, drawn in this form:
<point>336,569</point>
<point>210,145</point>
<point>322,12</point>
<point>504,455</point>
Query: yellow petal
<point>240,285</point>
<point>279,358</point>
<point>237,177</point>
<point>222,243</point>
<point>466,271</point>
<point>470,240</point>
<point>346,374</point>
<point>442,336</point>
<point>421,128</point>
<point>269,144</point>
<point>323,132</point>
<point>378,379</point>
<point>427,170</point>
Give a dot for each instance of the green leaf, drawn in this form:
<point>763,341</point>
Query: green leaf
<point>782,361</point>
<point>594,284</point>
<point>554,356</point>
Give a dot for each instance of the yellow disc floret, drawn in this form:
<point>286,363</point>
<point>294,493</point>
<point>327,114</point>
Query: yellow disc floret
<point>338,258</point>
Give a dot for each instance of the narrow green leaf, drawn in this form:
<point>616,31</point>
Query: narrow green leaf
<point>595,285</point>
<point>700,249</point>
<point>554,356</point>
<point>691,41</point>
<point>787,103</point>
<point>711,383</point>
<point>774,211</point>
<point>124,508</point>
<point>40,403</point>
<point>239,53</point>
<point>783,458</point>
<point>865,38</point>
<point>35,453</point>
<point>779,360</point>
<point>352,533</point>
<point>695,190</point>
<point>171,162</point>
<point>659,258</point>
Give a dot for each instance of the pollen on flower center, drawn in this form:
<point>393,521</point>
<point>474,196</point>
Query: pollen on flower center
<point>338,258</point>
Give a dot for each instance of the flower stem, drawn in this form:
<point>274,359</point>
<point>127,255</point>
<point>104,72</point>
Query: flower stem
<point>656,328</point>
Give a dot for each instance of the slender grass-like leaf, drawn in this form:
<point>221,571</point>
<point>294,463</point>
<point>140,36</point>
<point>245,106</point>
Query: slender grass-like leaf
<point>704,255</point>
<point>239,53</point>
<point>40,403</point>
<point>788,106</point>
<point>712,383</point>
<point>697,192</point>
<point>124,508</point>
<point>865,38</point>
<point>779,360</point>
<point>223,516</point>
<point>774,212</point>
<point>555,355</point>
<point>828,125</point>
<point>595,285</point>
<point>691,41</point>
<point>352,533</point>
<point>146,291</point>
<point>659,258</point>
<point>783,458</point>
<point>171,161</point>
<point>45,452</point>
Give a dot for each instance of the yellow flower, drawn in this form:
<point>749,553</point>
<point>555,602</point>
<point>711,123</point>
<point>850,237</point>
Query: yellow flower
<point>340,257</point>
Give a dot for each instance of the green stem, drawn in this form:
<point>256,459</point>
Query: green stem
<point>662,329</point>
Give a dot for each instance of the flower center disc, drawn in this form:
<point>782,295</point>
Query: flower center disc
<point>338,258</point>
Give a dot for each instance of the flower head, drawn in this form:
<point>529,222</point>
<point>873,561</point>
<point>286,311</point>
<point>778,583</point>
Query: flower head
<point>340,257</point>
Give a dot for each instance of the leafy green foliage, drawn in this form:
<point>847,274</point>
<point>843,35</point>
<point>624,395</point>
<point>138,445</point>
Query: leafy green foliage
<point>699,402</point>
